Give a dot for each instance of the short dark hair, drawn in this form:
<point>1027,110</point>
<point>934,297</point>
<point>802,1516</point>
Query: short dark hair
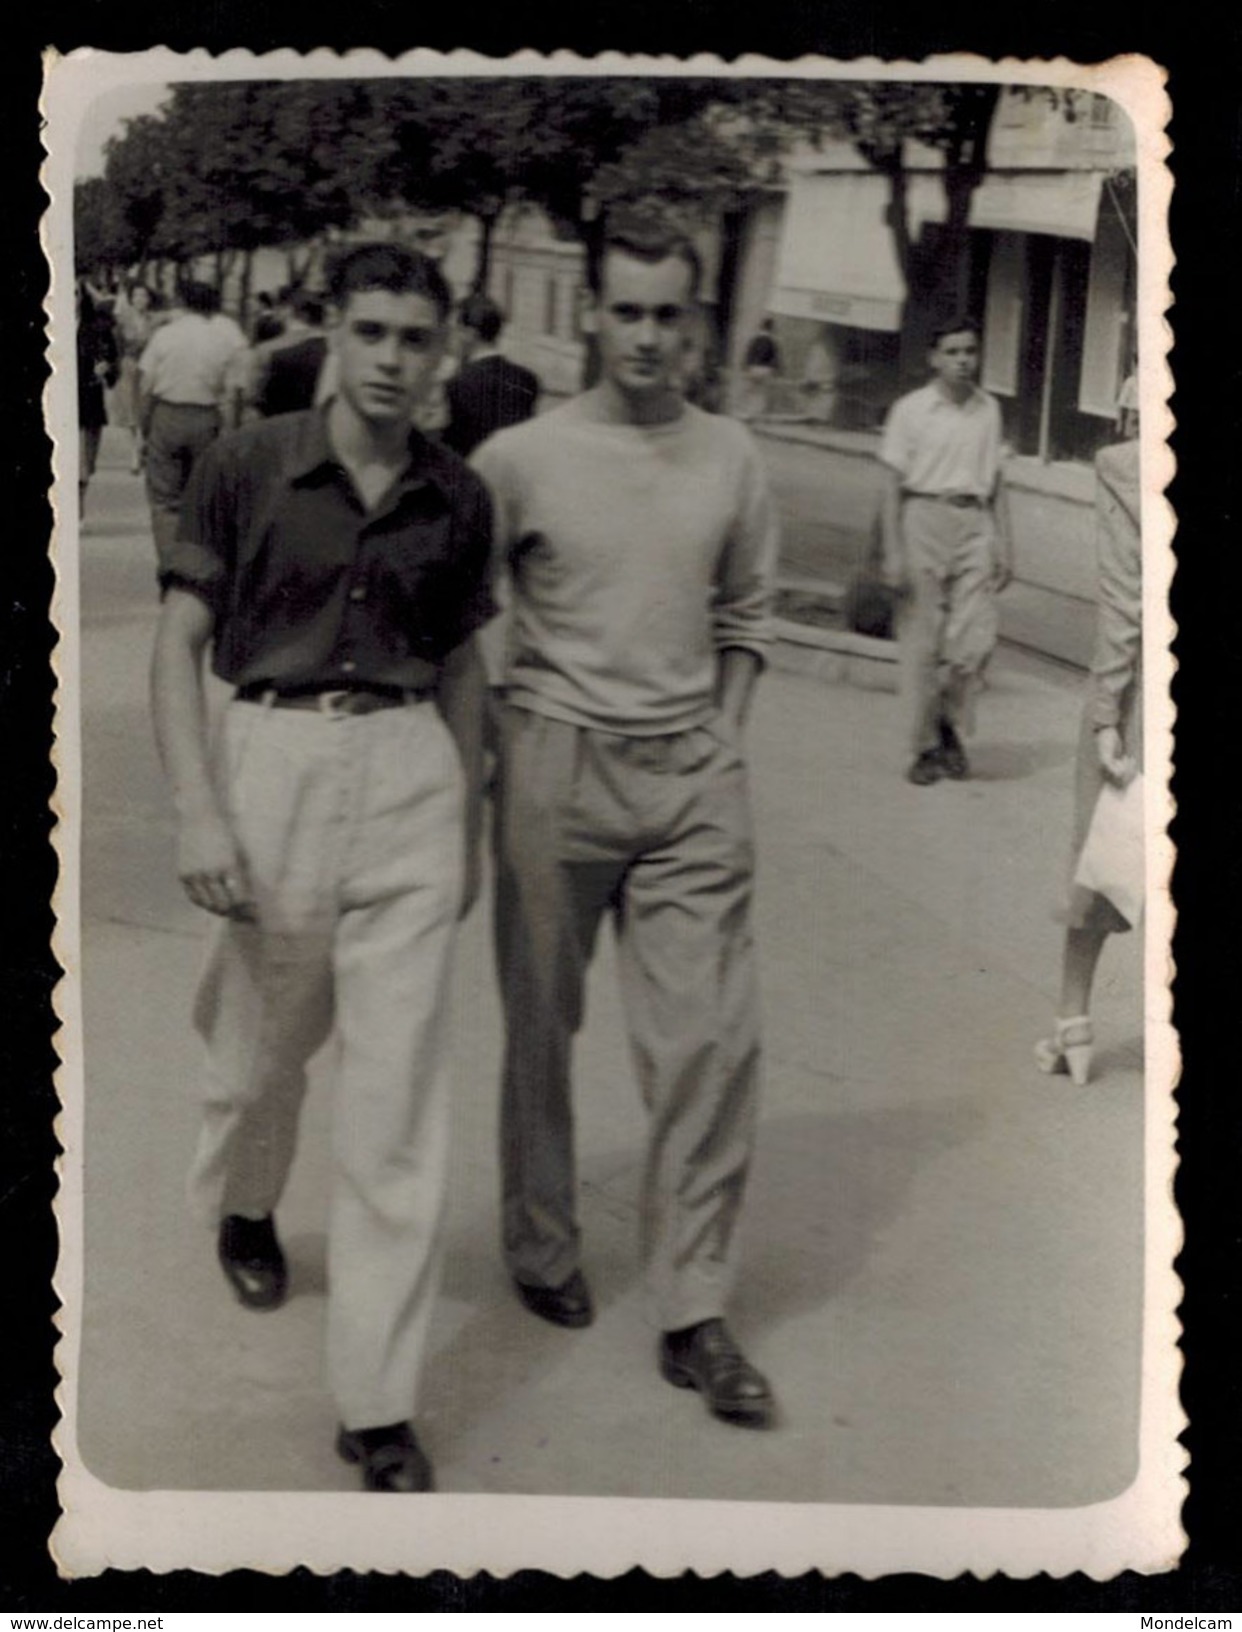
<point>963,323</point>
<point>200,297</point>
<point>646,239</point>
<point>391,266</point>
<point>306,305</point>
<point>481,315</point>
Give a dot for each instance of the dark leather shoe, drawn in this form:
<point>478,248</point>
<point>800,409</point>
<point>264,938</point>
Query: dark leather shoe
<point>252,1261</point>
<point>953,759</point>
<point>567,1305</point>
<point>926,769</point>
<point>706,1357</point>
<point>389,1458</point>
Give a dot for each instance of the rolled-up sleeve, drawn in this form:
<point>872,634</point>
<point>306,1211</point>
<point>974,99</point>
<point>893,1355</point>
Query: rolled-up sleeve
<point>199,557</point>
<point>746,578</point>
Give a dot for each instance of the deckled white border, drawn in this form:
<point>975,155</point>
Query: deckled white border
<point>218,1531</point>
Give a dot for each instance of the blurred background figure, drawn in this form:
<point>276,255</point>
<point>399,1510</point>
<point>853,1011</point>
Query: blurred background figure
<point>287,368</point>
<point>760,366</point>
<point>821,371</point>
<point>190,374</point>
<point>98,370</point>
<point>136,318</point>
<point>1127,408</point>
<point>1110,757</point>
<point>487,392</point>
<point>698,377</point>
<point>268,324</point>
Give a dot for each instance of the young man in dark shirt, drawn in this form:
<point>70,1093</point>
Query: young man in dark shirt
<point>337,563</point>
<point>487,392</point>
<point>287,369</point>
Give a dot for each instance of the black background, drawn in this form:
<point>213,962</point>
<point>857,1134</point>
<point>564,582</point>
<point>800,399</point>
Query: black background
<point>1200,49</point>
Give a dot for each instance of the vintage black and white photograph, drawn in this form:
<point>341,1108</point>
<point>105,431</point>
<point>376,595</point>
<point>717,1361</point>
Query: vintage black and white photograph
<point>613,749</point>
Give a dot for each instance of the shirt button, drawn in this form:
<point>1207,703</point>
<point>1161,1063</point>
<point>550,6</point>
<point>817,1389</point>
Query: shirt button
<point>348,666</point>
<point>357,593</point>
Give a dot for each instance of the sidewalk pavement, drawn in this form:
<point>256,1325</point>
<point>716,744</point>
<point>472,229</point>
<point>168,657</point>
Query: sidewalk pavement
<point>943,1261</point>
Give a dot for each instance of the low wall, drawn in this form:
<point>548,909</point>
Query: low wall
<point>1050,607</point>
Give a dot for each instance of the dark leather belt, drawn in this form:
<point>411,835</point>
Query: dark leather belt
<point>960,501</point>
<point>336,702</point>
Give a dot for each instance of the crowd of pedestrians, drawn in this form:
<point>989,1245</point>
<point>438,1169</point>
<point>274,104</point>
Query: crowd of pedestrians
<point>341,500</point>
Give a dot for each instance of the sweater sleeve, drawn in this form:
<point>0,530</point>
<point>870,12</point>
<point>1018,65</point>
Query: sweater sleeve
<point>1114,665</point>
<point>499,478</point>
<point>746,574</point>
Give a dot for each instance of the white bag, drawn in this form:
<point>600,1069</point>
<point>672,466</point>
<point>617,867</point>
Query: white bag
<point>1112,860</point>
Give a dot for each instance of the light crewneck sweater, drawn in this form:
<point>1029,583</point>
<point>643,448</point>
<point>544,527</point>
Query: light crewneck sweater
<point>634,554</point>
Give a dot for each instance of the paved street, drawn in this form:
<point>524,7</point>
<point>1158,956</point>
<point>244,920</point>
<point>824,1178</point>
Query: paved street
<point>943,1249</point>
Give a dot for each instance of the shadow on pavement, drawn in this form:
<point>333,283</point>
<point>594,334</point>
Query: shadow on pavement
<point>1013,761</point>
<point>825,1189</point>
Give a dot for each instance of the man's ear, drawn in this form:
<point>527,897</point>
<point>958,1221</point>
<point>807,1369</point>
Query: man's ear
<point>588,311</point>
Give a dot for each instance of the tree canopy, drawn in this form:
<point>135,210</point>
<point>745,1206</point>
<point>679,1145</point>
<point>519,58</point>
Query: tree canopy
<point>226,167</point>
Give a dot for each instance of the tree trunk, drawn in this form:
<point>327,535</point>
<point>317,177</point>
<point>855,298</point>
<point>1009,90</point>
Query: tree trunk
<point>483,257</point>
<point>246,275</point>
<point>732,233</point>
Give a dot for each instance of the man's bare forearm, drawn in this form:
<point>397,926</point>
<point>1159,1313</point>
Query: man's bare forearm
<point>892,544</point>
<point>209,863</point>
<point>177,701</point>
<point>737,675</point>
<point>460,696</point>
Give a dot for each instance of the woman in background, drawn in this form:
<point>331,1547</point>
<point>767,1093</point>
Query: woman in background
<point>1109,751</point>
<point>98,370</point>
<point>135,319</point>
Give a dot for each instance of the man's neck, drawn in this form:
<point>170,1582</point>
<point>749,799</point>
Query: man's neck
<point>481,353</point>
<point>619,407</point>
<point>958,392</point>
<point>360,441</point>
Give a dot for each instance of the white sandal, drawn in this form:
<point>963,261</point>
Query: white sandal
<point>1069,1051</point>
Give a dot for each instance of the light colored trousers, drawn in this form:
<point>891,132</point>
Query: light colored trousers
<point>352,832</point>
<point>946,625</point>
<point>657,831</point>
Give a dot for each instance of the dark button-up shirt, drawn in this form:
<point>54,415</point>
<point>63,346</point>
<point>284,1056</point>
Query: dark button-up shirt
<point>309,587</point>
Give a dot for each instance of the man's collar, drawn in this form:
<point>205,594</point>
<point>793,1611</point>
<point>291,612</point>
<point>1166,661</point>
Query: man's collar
<point>314,454</point>
<point>939,396</point>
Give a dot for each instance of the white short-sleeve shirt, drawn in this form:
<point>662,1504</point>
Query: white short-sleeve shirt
<point>938,446</point>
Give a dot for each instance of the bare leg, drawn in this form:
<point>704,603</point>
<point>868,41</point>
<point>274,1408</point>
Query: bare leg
<point>1078,966</point>
<point>1069,1048</point>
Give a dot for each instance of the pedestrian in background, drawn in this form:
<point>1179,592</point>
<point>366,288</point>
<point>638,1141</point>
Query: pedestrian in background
<point>761,364</point>
<point>488,391</point>
<point>640,544</point>
<point>136,317</point>
<point>946,546</point>
<point>820,372</point>
<point>191,374</point>
<point>1110,758</point>
<point>98,370</point>
<point>285,371</point>
<point>338,564</point>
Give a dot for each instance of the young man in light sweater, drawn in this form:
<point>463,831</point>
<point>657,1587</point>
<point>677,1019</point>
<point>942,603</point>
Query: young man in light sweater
<point>639,544</point>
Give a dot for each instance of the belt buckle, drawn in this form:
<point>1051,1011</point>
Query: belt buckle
<point>335,704</point>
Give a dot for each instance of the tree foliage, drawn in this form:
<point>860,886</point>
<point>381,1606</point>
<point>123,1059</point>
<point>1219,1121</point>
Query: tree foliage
<point>228,167</point>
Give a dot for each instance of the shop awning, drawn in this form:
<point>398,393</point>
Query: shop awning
<point>837,261</point>
<point>1064,205</point>
<point>1061,204</point>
